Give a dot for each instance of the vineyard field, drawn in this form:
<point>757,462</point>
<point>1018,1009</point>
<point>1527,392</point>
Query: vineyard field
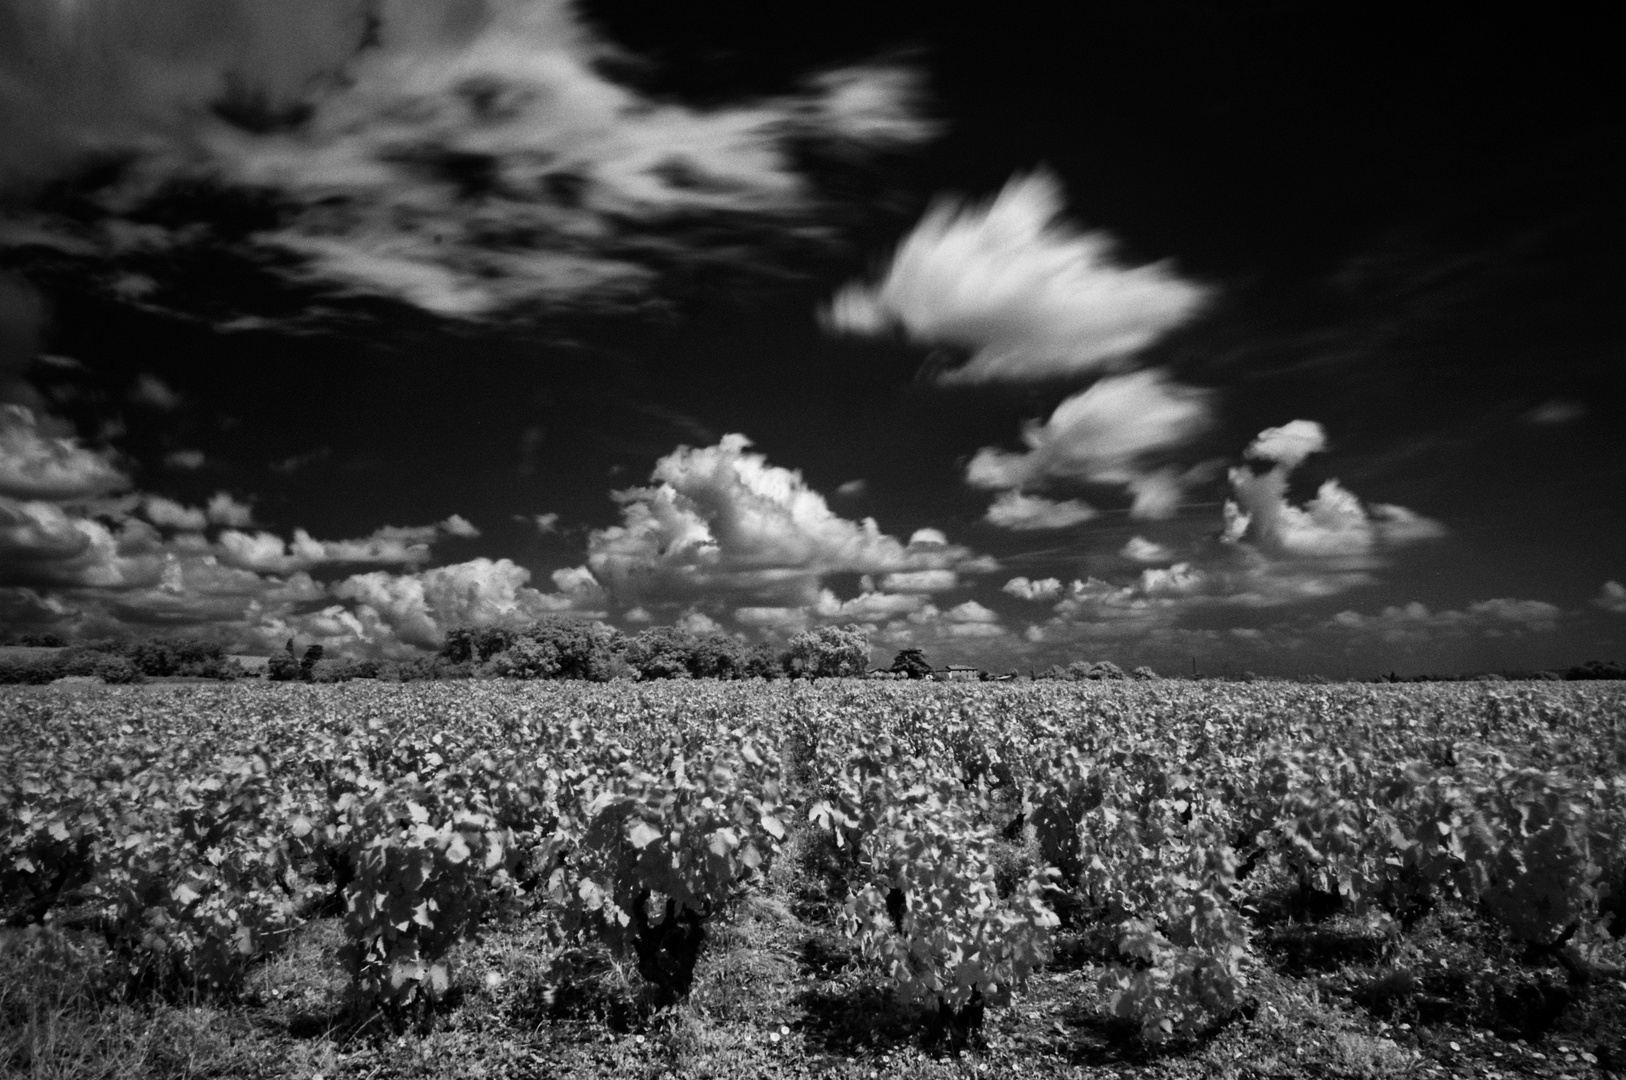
<point>826,877</point>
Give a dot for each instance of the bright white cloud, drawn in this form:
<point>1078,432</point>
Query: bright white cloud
<point>1015,510</point>
<point>1030,296</point>
<point>169,513</point>
<point>1043,589</point>
<point>698,622</point>
<point>225,510</point>
<point>1115,432</point>
<point>1289,444</point>
<point>462,156</point>
<point>459,526</point>
<point>721,520</point>
<point>1612,597</point>
<point>1332,525</point>
<point>920,581</point>
<point>391,545</point>
<point>35,464</point>
<point>1141,550</point>
<point>866,607</point>
<point>419,608</point>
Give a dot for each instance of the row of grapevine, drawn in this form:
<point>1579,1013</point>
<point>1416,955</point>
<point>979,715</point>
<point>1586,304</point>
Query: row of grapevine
<point>195,829</point>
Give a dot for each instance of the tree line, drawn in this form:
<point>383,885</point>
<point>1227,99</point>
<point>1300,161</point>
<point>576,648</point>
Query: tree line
<point>557,647</point>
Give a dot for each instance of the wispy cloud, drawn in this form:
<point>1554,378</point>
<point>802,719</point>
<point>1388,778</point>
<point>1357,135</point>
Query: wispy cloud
<point>1030,296</point>
<point>1014,510</point>
<point>155,393</point>
<point>1556,412</point>
<point>1120,431</point>
<point>185,459</point>
<point>466,158</point>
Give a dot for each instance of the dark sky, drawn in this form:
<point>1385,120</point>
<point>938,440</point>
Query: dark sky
<point>1273,337</point>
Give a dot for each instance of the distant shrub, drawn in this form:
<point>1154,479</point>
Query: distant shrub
<point>30,672</point>
<point>1597,669</point>
<point>284,667</point>
<point>1104,669</point>
<point>117,669</point>
<point>342,669</point>
<point>1143,674</point>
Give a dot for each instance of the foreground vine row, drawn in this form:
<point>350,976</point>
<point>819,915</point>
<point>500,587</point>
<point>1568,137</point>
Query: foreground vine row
<point>194,828</point>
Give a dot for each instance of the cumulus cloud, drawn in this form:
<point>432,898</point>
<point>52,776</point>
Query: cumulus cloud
<point>1289,444</point>
<point>1029,295</point>
<point>459,526</point>
<point>1043,589</point>
<point>37,464</point>
<point>49,543</point>
<point>1116,432</point>
<point>1415,623</point>
<point>391,545</point>
<point>720,520</point>
<point>1612,597</point>
<point>927,537</point>
<point>225,510</point>
<point>463,156</point>
<point>1334,524</point>
<point>915,581</point>
<point>867,607</point>
<point>1139,549</point>
<point>1015,510</point>
<point>169,513</point>
<point>419,608</point>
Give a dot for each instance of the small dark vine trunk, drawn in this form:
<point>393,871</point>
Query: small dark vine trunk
<point>667,951</point>
<point>959,1025</point>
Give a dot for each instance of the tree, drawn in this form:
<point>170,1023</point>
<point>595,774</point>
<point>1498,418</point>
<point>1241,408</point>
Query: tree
<point>458,648</point>
<point>761,662</point>
<point>662,652</point>
<point>719,656</point>
<point>581,650</point>
<point>828,651</point>
<point>284,667</point>
<point>911,662</point>
<point>525,659</point>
